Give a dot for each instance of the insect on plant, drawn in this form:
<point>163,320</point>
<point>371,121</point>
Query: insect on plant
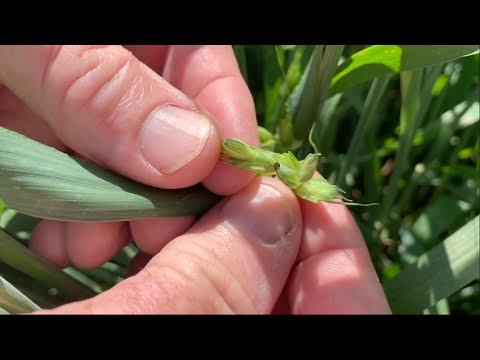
<point>298,175</point>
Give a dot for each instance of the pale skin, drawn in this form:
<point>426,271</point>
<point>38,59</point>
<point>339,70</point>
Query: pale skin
<point>260,250</point>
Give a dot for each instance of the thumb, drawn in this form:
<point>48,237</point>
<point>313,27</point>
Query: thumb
<point>236,259</point>
<point>111,108</point>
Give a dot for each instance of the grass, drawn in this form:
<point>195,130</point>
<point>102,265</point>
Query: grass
<point>397,125</point>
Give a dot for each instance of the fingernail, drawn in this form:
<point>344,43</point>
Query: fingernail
<point>263,215</point>
<point>172,137</point>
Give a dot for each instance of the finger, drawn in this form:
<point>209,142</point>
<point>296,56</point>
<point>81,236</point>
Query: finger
<point>154,56</point>
<point>210,75</point>
<point>48,241</point>
<point>282,306</point>
<point>235,259</point>
<point>106,105</point>
<point>16,116</point>
<point>90,245</point>
<point>138,263</point>
<point>151,235</point>
<point>335,274</point>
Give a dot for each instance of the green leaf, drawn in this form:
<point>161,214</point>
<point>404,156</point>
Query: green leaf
<point>43,182</point>
<point>410,86</point>
<point>459,90</point>
<point>13,301</point>
<point>40,293</point>
<point>367,120</point>
<point>22,259</point>
<point>440,272</point>
<point>442,213</point>
<point>382,60</point>
<point>18,224</point>
<point>317,82</point>
<point>272,80</point>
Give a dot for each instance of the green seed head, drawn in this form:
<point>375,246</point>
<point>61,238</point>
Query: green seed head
<point>308,167</point>
<point>264,134</point>
<point>288,175</point>
<point>238,149</point>
<point>317,189</point>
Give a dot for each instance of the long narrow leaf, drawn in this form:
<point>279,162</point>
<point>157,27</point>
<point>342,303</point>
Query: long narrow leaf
<point>317,85</point>
<point>446,268</point>
<point>381,60</point>
<point>13,301</point>
<point>410,85</point>
<point>22,259</point>
<point>43,182</point>
<point>367,118</point>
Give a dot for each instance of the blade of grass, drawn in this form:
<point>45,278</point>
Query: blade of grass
<point>83,279</point>
<point>443,212</point>
<point>410,86</point>
<point>425,99</point>
<point>440,272</point>
<point>40,293</point>
<point>382,60</point>
<point>317,84</point>
<point>272,81</point>
<point>43,182</point>
<point>18,224</point>
<point>450,123</point>
<point>13,300</point>
<point>325,131</point>
<point>296,68</point>
<point>21,258</point>
<point>367,119</point>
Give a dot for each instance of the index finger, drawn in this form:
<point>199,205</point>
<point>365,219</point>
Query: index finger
<point>210,75</point>
<point>334,274</point>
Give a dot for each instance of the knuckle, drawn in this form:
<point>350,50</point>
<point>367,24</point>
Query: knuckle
<point>94,79</point>
<point>204,284</point>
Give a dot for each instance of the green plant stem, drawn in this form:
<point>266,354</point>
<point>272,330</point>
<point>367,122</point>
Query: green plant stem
<point>410,87</point>
<point>21,258</point>
<point>34,289</point>
<point>317,85</point>
<point>426,95</point>
<point>367,119</point>
<point>13,300</point>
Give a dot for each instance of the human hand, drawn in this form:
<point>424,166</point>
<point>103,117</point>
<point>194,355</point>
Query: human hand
<point>259,251</point>
<point>238,257</point>
<point>103,104</point>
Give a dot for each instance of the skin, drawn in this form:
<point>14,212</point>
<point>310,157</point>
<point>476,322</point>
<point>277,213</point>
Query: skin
<point>260,250</point>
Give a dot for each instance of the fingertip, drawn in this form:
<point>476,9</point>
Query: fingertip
<point>48,241</point>
<point>340,281</point>
<point>89,245</point>
<point>151,235</point>
<point>138,263</point>
<point>179,143</point>
<point>227,180</point>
